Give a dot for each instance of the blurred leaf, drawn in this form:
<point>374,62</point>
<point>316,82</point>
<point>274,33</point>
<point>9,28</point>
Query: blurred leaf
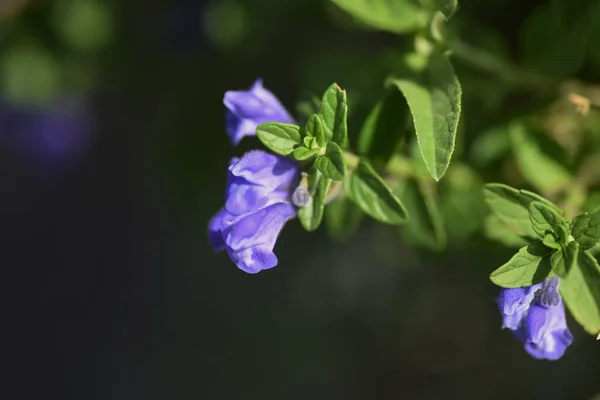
<point>433,94</point>
<point>580,290</point>
<point>225,22</point>
<point>342,218</point>
<point>529,266</point>
<point>446,7</point>
<point>586,229</point>
<point>311,214</point>
<point>495,229</point>
<point>30,75</point>
<point>334,113</point>
<point>368,191</point>
<point>511,206</point>
<point>383,129</point>
<point>308,105</point>
<point>396,16</point>
<point>568,36</point>
<point>83,24</point>
<point>425,227</point>
<point>562,261</point>
<point>279,137</point>
<point>490,146</point>
<point>332,164</point>
<point>541,171</point>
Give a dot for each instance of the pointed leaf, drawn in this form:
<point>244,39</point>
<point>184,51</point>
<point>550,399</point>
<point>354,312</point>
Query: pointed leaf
<point>434,96</point>
<point>302,153</point>
<point>278,137</point>
<point>562,261</point>
<point>543,219</point>
<point>314,128</point>
<point>311,214</point>
<point>529,266</point>
<point>383,129</point>
<point>511,206</point>
<point>580,290</point>
<point>334,114</point>
<point>332,164</point>
<point>586,229</point>
<point>368,191</point>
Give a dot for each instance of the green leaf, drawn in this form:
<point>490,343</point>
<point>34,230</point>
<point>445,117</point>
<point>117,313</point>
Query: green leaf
<point>550,241</point>
<point>396,16</point>
<point>541,171</point>
<point>562,261</point>
<point>334,113</point>
<point>311,214</point>
<point>529,266</point>
<point>497,230</point>
<point>278,137</point>
<point>446,7</point>
<point>543,218</point>
<point>314,128</point>
<point>580,290</point>
<point>425,226</point>
<point>490,146</point>
<point>433,93</point>
<point>383,129</point>
<point>586,229</point>
<point>342,218</point>
<point>368,191</point>
<point>511,206</point>
<point>302,153</point>
<point>332,164</point>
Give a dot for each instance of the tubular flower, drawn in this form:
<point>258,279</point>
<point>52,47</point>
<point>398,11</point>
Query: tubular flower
<point>246,109</point>
<point>536,315</point>
<point>257,206</point>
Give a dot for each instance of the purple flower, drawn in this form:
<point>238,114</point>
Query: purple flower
<point>257,206</point>
<point>536,315</point>
<point>246,109</point>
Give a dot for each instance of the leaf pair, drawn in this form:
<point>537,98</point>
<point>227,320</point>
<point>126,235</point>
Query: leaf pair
<point>323,138</point>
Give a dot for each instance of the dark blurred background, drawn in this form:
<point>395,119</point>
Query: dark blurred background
<point>113,154</point>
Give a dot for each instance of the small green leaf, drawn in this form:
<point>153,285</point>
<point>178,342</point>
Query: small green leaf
<point>580,290</point>
<point>311,214</point>
<point>550,241</point>
<point>425,226</point>
<point>383,129</point>
<point>586,229</point>
<point>332,164</point>
<point>433,93</point>
<point>511,206</point>
<point>529,266</point>
<point>562,261</point>
<point>278,137</point>
<point>367,190</point>
<point>543,219</point>
<point>396,16</point>
<point>446,7</point>
<point>302,153</point>
<point>342,218</point>
<point>541,171</point>
<point>334,114</point>
<point>309,142</point>
<point>314,128</point>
